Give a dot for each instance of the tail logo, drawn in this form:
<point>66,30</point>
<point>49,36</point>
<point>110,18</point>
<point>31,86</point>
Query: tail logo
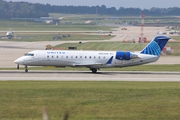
<point>155,46</point>
<point>152,49</point>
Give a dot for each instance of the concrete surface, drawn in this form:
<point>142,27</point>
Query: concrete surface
<point>88,76</point>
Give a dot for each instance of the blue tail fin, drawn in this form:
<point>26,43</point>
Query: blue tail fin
<point>155,46</point>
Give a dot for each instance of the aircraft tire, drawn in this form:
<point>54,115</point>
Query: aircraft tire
<point>26,70</point>
<point>94,70</point>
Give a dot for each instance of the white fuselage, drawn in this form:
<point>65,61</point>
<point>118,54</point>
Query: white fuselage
<point>90,59</point>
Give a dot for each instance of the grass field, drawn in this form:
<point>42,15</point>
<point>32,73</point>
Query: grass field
<point>50,37</point>
<point>37,26</point>
<point>90,100</point>
<point>176,37</point>
<point>104,46</point>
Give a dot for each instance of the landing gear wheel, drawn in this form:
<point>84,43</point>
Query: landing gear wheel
<point>94,70</point>
<point>26,70</point>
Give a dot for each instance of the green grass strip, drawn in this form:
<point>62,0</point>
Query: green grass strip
<point>90,100</point>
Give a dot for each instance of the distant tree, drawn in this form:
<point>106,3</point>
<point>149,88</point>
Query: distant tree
<point>30,10</point>
<point>20,9</point>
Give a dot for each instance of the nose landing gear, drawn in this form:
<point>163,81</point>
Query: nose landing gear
<point>18,66</point>
<point>26,69</point>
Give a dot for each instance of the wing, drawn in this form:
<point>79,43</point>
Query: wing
<point>94,65</point>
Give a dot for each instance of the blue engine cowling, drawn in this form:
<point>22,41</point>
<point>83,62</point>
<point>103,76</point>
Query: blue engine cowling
<point>123,55</point>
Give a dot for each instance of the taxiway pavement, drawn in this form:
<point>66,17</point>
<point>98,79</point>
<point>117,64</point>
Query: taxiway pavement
<point>45,75</point>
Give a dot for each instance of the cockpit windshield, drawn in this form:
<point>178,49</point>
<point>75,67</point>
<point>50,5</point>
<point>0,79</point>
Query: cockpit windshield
<point>29,54</point>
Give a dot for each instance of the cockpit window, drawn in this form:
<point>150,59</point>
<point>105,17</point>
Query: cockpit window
<point>29,54</point>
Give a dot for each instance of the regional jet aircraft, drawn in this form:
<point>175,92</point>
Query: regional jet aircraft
<point>94,60</point>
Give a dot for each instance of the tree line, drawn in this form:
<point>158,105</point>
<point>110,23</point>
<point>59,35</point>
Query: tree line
<point>33,10</point>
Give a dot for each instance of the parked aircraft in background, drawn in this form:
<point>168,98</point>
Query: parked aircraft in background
<point>94,60</point>
<point>10,34</point>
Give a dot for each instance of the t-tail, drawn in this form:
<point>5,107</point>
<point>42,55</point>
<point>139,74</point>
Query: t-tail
<point>155,46</point>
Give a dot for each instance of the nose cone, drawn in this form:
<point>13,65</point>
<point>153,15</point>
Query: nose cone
<point>18,61</point>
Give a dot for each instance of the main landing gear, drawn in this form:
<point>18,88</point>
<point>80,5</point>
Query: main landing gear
<point>93,70</point>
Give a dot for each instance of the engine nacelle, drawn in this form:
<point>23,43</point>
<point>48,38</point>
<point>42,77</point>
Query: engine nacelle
<point>123,55</point>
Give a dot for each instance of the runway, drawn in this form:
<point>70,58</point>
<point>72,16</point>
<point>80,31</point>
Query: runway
<point>45,75</point>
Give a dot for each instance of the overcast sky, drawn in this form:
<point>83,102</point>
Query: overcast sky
<point>112,3</point>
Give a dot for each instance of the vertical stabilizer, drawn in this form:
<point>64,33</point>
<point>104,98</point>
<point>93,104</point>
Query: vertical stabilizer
<point>155,46</point>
